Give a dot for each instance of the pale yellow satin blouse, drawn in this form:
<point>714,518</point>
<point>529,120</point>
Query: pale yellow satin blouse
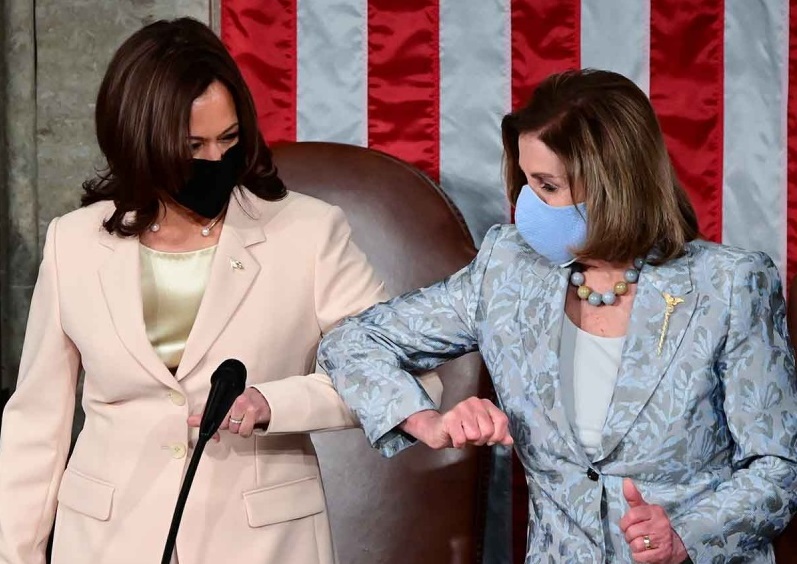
<point>172,286</point>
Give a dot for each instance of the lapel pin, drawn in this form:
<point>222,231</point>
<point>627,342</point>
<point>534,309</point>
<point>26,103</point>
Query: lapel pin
<point>236,264</point>
<point>671,302</point>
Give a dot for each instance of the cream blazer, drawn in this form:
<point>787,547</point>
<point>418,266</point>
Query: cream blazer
<point>283,274</point>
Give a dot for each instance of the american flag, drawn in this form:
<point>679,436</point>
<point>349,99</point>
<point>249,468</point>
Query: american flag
<point>429,80</point>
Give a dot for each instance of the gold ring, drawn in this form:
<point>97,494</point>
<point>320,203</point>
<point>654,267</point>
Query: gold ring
<point>646,540</point>
<point>236,421</point>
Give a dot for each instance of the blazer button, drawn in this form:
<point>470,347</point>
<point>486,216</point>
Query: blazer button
<point>592,475</point>
<point>178,451</point>
<point>177,398</point>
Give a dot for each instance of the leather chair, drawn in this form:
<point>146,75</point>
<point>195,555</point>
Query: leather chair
<point>422,506</point>
<point>786,543</point>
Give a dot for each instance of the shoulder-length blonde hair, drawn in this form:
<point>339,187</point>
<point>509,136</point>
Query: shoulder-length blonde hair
<point>603,128</point>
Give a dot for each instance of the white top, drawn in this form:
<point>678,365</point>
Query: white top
<point>172,286</point>
<point>588,373</point>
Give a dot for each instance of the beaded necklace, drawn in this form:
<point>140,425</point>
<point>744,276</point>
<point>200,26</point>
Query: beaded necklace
<point>607,298</point>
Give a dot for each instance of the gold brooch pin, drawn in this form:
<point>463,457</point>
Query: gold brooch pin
<point>671,301</point>
<point>236,264</point>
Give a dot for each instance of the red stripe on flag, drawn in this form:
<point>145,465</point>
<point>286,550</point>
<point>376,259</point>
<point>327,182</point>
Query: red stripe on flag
<point>686,88</point>
<point>546,38</point>
<point>791,125</point>
<point>404,81</point>
<point>262,38</point>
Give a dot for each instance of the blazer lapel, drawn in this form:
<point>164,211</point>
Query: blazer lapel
<point>542,306</point>
<point>120,278</point>
<point>646,353</point>
<point>233,272</point>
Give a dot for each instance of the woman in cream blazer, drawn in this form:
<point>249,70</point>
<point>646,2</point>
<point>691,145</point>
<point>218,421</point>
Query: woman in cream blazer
<point>257,499</point>
<point>284,271</point>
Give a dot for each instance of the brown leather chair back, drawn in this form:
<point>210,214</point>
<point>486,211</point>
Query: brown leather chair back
<point>786,543</point>
<point>422,506</point>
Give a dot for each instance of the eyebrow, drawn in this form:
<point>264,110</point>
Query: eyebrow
<point>546,176</point>
<point>223,133</point>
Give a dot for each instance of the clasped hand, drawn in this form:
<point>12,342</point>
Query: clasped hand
<point>472,421</point>
<point>248,410</point>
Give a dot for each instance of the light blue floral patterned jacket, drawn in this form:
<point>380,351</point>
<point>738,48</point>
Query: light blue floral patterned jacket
<point>707,428</point>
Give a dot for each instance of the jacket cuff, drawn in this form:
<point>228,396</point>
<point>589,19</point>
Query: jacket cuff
<point>387,437</point>
<point>280,394</point>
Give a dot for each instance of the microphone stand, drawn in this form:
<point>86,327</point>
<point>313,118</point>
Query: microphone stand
<point>226,383</point>
<point>168,549</point>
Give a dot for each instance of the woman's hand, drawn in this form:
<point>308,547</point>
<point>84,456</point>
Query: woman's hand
<point>472,421</point>
<point>647,521</point>
<point>248,410</point>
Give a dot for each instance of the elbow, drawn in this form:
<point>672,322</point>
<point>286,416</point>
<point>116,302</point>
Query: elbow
<point>332,348</point>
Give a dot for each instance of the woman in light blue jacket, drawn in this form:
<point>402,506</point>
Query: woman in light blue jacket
<point>645,374</point>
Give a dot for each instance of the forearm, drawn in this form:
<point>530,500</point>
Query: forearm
<point>37,423</point>
<point>756,369</point>
<point>33,456</point>
<point>371,357</point>
<point>413,424</point>
<point>304,404</point>
<point>744,513</point>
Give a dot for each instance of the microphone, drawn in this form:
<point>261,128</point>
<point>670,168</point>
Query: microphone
<point>227,383</point>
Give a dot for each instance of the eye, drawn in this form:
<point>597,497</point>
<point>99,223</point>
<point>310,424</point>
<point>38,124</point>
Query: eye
<point>230,137</point>
<point>195,146</point>
<point>548,187</point>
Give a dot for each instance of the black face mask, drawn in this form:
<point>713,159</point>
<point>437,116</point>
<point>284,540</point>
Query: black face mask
<point>211,182</point>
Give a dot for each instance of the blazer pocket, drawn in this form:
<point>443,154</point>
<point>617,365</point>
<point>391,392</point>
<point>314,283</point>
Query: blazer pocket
<point>86,495</point>
<point>284,502</point>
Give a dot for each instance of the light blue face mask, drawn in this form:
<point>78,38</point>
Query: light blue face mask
<point>551,231</point>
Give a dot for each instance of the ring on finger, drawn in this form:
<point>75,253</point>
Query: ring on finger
<point>647,543</point>
<point>236,421</point>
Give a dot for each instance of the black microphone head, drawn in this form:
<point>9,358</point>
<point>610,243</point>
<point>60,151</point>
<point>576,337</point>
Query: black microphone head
<point>233,369</point>
<point>227,383</point>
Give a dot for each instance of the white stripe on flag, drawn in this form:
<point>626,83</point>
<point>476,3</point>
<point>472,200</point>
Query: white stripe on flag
<point>475,93</point>
<point>754,169</point>
<point>615,36</point>
<point>332,74</point>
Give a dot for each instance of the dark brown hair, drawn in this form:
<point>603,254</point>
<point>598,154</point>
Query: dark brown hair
<point>142,120</point>
<point>604,129</point>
